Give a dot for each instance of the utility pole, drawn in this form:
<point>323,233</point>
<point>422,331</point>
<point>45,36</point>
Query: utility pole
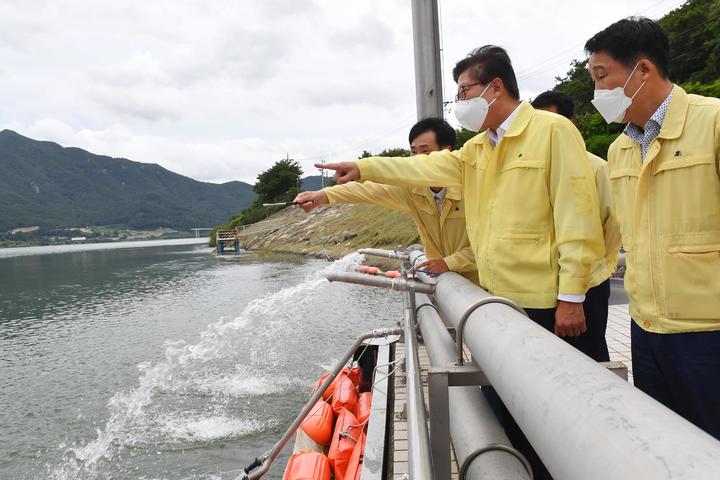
<point>322,172</point>
<point>426,43</point>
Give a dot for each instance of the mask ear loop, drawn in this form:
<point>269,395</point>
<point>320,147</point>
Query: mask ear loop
<point>628,81</point>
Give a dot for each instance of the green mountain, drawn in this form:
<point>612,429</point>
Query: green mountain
<point>45,184</point>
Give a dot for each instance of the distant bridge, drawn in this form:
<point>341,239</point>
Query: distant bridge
<point>197,230</point>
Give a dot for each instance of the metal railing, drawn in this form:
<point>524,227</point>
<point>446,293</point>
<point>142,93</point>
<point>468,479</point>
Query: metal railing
<point>583,420</point>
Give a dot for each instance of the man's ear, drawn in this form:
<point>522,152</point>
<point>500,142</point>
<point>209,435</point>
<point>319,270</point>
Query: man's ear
<point>497,86</point>
<point>646,68</point>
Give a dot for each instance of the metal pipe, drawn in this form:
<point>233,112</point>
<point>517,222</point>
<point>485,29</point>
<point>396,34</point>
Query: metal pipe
<point>419,457</point>
<point>583,420</point>
<point>397,284</point>
<point>268,458</point>
<point>473,425</point>
<point>377,252</point>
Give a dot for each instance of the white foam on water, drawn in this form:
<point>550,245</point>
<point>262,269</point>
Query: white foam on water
<point>140,417</point>
<point>189,429</point>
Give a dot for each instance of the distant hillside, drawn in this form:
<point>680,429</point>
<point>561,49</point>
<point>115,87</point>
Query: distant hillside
<point>45,184</point>
<point>313,182</point>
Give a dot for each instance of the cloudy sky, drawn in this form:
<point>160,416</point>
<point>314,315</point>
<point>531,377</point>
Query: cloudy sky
<point>218,90</point>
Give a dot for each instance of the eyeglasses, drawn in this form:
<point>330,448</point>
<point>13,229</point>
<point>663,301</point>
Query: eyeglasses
<point>462,91</point>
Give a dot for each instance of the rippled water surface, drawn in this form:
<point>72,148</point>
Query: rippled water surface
<point>159,360</point>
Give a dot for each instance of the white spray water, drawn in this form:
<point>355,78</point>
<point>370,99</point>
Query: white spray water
<point>201,378</point>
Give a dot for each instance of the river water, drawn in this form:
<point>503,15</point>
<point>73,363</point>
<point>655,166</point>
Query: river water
<point>157,360</point>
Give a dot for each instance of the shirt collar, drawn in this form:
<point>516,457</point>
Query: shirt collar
<point>497,135</point>
<point>653,124</point>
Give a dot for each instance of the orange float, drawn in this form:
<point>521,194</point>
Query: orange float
<point>362,410</point>
<point>307,466</point>
<point>344,396</point>
<point>352,373</point>
<point>318,424</point>
<point>392,274</point>
<point>356,458</point>
<point>346,435</point>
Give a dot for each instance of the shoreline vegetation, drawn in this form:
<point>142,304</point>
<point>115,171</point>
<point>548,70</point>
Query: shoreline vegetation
<point>36,237</point>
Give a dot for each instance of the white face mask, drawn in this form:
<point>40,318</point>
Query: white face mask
<point>612,104</point>
<point>471,113</point>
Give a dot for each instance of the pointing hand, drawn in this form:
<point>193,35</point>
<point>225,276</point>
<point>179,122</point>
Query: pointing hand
<point>344,171</point>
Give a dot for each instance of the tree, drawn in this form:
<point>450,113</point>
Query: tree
<point>280,183</point>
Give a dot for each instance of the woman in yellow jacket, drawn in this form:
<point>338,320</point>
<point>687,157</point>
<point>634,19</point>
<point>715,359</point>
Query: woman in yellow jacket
<point>665,179</point>
<point>438,212</point>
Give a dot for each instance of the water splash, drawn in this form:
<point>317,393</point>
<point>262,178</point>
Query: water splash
<point>185,398</point>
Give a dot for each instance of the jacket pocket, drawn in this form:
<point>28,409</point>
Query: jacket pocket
<point>691,276</point>
<point>521,262</point>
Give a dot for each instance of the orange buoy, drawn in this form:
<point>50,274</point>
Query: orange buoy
<point>362,410</point>
<point>356,459</point>
<point>392,274</point>
<point>307,466</point>
<point>344,396</point>
<point>347,433</point>
<point>318,424</point>
<point>352,373</point>
<point>372,270</point>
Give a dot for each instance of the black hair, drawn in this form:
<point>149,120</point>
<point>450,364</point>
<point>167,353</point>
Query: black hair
<point>563,102</point>
<point>445,135</point>
<point>487,63</point>
<point>631,39</point>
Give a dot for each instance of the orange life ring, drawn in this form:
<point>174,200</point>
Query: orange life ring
<point>318,424</point>
<point>307,466</point>
<point>347,433</point>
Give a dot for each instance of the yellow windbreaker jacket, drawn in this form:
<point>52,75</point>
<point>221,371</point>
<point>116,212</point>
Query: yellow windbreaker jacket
<point>611,229</point>
<point>669,212</point>
<point>443,234</point>
<point>531,206</point>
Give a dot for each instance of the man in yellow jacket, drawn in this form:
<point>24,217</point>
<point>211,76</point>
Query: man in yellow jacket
<point>438,212</point>
<point>593,342</point>
<point>530,204</point>
<point>665,178</point>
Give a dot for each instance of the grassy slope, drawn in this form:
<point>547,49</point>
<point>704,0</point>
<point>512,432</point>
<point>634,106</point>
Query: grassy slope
<point>332,231</point>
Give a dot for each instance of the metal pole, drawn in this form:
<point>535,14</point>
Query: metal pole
<point>426,43</point>
<point>583,420</point>
<point>473,425</point>
<point>419,459</point>
<point>397,284</point>
<point>378,252</point>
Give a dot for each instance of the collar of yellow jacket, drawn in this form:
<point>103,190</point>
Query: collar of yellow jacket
<point>518,125</point>
<point>452,193</point>
<point>674,121</point>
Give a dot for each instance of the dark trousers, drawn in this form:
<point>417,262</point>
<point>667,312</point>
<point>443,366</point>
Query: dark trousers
<point>681,371</point>
<point>592,343</point>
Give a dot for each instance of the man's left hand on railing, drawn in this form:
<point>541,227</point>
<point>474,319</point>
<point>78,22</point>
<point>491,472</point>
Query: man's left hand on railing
<point>569,319</point>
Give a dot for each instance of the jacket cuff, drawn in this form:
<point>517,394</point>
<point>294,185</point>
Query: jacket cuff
<point>366,169</point>
<point>573,285</point>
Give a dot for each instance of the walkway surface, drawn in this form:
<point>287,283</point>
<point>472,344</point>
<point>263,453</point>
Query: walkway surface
<point>618,338</point>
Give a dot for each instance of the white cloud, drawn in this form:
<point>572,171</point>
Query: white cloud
<point>219,90</point>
